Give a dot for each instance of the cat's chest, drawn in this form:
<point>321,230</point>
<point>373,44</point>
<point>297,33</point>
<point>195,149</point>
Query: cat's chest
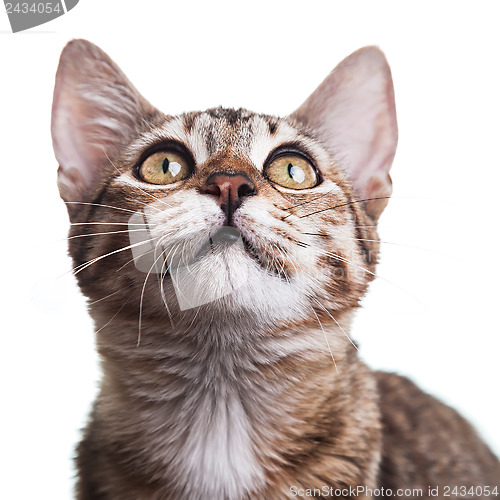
<point>202,434</point>
<point>216,453</point>
<point>207,424</point>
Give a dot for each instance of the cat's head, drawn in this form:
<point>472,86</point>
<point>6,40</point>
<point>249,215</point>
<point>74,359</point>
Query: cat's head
<point>223,211</point>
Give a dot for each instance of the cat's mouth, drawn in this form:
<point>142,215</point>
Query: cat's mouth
<point>229,236</point>
<point>229,243</point>
<point>224,238</point>
<point>226,235</point>
<point>250,250</point>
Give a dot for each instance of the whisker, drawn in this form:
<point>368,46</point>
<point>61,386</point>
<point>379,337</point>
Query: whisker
<point>406,245</point>
<point>193,320</point>
<point>93,261</point>
<point>326,338</point>
<point>317,197</point>
<point>371,199</point>
<point>343,205</point>
<point>127,263</point>
<point>385,242</point>
<point>166,266</point>
<point>181,261</point>
<point>114,316</point>
<point>283,273</point>
<point>142,294</point>
<point>53,242</point>
<point>104,298</point>
<point>98,234</point>
<point>108,224</point>
<point>150,204</point>
<point>100,205</point>
<point>278,191</point>
<point>308,201</point>
<point>347,261</point>
<point>338,324</point>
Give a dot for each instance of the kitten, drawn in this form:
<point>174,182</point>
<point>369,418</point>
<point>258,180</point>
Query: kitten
<point>224,254</point>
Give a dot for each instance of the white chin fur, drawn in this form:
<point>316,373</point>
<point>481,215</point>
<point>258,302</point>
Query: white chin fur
<point>232,280</point>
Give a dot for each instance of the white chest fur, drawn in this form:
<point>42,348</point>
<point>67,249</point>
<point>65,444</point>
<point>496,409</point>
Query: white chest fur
<point>218,459</point>
<point>201,418</point>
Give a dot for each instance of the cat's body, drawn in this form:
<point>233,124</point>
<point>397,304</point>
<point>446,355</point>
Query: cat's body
<point>230,374</point>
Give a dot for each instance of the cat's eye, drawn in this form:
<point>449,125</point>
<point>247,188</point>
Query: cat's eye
<point>164,167</point>
<point>292,171</point>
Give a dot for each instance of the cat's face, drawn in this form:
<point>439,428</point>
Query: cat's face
<point>223,211</point>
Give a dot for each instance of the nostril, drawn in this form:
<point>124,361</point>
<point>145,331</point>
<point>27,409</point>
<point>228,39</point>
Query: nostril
<point>245,190</point>
<point>229,189</point>
<point>212,189</point>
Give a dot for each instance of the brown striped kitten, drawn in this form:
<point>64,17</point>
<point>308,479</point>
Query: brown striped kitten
<point>223,254</point>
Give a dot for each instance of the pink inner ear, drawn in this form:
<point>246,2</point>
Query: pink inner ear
<point>366,129</point>
<point>353,112</point>
<point>95,112</point>
<point>77,162</point>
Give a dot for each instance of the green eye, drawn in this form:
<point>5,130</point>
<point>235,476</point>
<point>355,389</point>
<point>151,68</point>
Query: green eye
<point>164,167</point>
<point>292,172</point>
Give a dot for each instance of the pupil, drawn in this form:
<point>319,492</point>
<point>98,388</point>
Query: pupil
<point>165,165</point>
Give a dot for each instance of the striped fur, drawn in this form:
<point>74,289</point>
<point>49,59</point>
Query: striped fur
<point>261,390</point>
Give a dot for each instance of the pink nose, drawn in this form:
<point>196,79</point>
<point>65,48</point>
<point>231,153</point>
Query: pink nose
<point>229,189</point>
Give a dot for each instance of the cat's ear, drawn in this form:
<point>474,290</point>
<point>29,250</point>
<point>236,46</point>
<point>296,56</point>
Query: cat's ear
<point>96,110</point>
<point>353,112</point>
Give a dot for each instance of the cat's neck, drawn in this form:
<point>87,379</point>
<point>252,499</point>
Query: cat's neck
<point>220,349</point>
<point>248,400</point>
<point>219,353</point>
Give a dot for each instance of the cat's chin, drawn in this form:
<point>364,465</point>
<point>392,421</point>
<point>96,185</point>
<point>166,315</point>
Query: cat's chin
<point>229,244</point>
<point>229,273</point>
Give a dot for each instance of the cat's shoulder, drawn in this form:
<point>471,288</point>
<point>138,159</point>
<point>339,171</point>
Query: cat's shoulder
<point>425,442</point>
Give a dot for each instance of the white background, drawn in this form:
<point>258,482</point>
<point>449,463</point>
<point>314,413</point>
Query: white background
<point>433,314</point>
